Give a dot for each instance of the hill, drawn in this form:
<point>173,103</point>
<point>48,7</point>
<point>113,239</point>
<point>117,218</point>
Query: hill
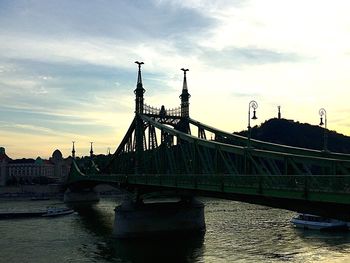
<point>289,132</point>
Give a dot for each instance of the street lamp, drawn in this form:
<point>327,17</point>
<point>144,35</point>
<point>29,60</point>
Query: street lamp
<point>252,105</point>
<point>322,113</point>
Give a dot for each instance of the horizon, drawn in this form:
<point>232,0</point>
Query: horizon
<point>67,69</point>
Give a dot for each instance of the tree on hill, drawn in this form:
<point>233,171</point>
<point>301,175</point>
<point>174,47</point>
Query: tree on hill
<point>304,135</point>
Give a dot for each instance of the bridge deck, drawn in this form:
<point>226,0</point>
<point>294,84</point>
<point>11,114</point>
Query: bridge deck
<point>327,196</point>
<point>332,189</point>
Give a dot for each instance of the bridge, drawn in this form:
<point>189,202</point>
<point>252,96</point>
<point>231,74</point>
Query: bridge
<point>165,150</point>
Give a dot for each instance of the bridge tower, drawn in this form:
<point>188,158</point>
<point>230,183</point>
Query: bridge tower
<point>185,96</point>
<point>139,129</point>
<point>184,125</point>
<point>91,150</point>
<point>73,150</point>
<point>139,91</point>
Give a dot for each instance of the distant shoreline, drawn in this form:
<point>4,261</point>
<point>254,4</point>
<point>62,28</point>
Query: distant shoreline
<point>26,192</point>
<point>30,191</point>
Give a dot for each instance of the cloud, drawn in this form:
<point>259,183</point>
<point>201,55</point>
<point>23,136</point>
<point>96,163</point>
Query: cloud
<point>67,66</point>
<point>128,20</point>
<point>27,128</point>
<point>104,33</point>
<point>248,95</point>
<point>242,56</point>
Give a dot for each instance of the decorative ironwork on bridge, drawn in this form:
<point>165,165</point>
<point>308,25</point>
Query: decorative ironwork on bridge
<point>159,150</point>
<point>159,141</point>
<point>161,112</point>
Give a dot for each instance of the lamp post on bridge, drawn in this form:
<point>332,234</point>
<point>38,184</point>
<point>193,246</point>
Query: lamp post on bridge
<point>322,112</point>
<point>252,105</point>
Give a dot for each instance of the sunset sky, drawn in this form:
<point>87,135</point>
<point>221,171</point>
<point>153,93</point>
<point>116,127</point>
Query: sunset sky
<point>67,67</point>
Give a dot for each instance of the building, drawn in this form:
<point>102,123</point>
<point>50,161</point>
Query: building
<point>4,160</point>
<point>28,171</point>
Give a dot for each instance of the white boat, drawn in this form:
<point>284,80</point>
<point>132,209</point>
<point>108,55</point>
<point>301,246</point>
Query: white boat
<point>307,221</point>
<point>57,211</point>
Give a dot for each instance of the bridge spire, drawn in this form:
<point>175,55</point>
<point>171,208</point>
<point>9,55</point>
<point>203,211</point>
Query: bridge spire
<point>185,109</point>
<point>279,112</point>
<point>139,126</point>
<point>91,150</point>
<point>139,91</point>
<point>73,150</point>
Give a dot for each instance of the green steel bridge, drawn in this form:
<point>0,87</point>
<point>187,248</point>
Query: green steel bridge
<point>166,150</point>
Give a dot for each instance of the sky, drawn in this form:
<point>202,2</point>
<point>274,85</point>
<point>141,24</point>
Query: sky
<point>67,70</point>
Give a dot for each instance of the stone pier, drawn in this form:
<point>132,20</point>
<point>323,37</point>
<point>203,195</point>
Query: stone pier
<point>157,219</point>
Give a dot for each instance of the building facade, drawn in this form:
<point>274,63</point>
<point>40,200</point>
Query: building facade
<point>29,171</point>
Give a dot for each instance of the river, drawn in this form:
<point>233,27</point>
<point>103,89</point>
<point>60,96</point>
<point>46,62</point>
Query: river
<point>236,232</point>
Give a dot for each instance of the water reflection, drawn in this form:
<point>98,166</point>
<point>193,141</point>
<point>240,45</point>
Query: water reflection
<point>94,219</point>
<point>251,233</point>
<point>98,220</point>
<point>168,249</point>
<point>236,232</point>
<point>324,238</point>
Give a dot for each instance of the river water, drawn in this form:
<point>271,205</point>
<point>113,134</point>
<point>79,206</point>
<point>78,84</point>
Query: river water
<point>236,232</point>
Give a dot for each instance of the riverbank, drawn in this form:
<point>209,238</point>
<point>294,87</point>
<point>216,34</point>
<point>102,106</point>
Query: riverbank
<point>31,191</point>
<point>51,191</point>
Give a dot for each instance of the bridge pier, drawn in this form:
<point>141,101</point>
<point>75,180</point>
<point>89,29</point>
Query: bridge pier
<point>135,219</point>
<point>86,195</point>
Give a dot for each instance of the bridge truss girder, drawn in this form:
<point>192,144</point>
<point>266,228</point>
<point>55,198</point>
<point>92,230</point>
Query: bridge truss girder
<point>182,153</point>
<point>234,139</point>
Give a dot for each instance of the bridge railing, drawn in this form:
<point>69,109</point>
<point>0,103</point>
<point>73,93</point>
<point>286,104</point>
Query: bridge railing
<point>232,183</point>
